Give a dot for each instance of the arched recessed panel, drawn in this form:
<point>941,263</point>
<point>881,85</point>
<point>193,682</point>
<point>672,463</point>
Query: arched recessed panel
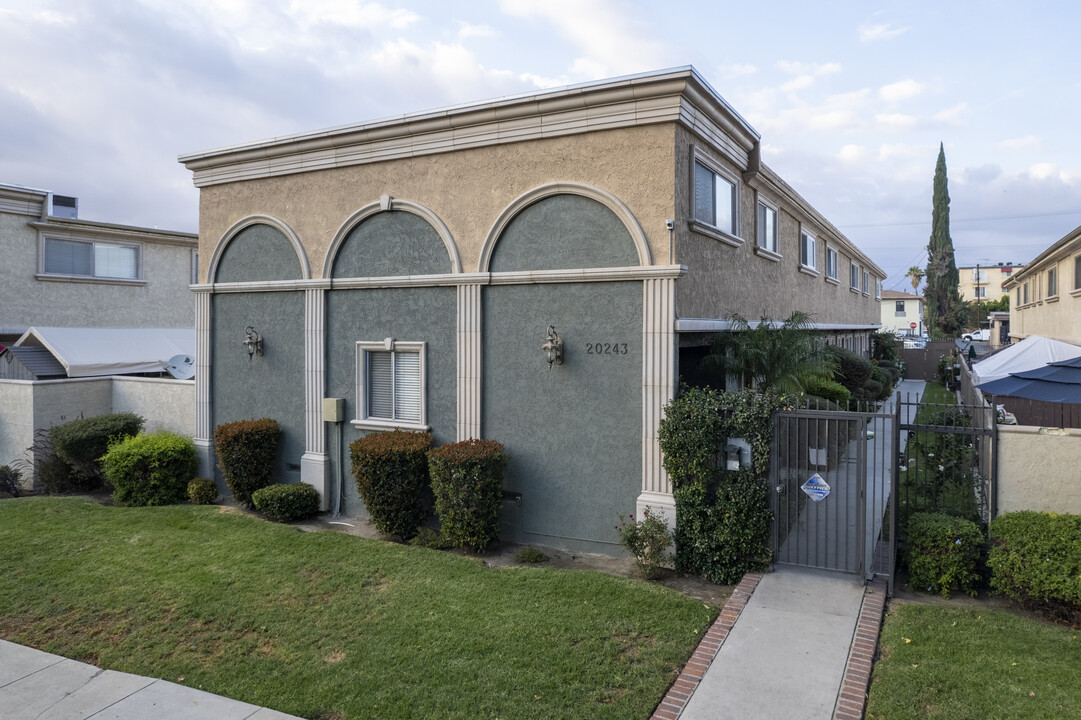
<point>392,243</point>
<point>255,251</point>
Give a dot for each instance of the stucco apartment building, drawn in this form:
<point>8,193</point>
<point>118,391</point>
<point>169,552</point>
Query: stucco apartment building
<point>1046,293</point>
<point>986,283</point>
<point>415,266</point>
<point>902,313</point>
<point>61,271</point>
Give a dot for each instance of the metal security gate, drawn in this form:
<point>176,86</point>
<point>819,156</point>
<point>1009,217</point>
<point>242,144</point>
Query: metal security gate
<point>830,473</point>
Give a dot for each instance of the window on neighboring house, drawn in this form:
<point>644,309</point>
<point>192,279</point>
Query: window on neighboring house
<point>831,263</point>
<point>194,267</point>
<point>899,309</point>
<point>878,289</point>
<point>807,250</point>
<point>767,227</point>
<point>979,276</point>
<point>854,276</point>
<point>1026,293</point>
<point>714,199</point>
<point>981,292</point>
<point>1077,273</point>
<point>866,283</point>
<point>81,258</point>
<point>1018,300</point>
<point>390,385</point>
<point>1052,282</point>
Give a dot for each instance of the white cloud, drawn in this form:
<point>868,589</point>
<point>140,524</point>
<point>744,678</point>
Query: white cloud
<point>468,30</point>
<point>1045,170</point>
<point>734,70</point>
<point>896,121</point>
<point>1028,142</point>
<point>952,114</point>
<point>815,69</point>
<point>881,31</point>
<point>903,90</point>
<point>351,15</point>
<point>543,82</point>
<point>854,154</point>
<point>798,83</point>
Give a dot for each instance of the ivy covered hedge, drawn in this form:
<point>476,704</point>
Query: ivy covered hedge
<point>1035,558</point>
<point>722,517</point>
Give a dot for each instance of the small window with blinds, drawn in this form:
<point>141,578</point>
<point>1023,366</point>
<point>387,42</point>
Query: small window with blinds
<point>88,259</point>
<point>390,385</point>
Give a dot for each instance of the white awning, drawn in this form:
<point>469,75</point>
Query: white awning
<point>91,352</point>
<point>1031,353</point>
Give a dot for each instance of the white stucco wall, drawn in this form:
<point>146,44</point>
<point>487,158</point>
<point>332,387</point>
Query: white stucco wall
<point>1038,469</point>
<point>16,419</point>
<point>164,403</point>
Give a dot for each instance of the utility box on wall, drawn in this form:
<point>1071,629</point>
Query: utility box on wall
<point>333,409</point>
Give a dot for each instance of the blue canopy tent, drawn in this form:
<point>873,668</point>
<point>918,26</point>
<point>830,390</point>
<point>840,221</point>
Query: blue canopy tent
<point>1058,382</point>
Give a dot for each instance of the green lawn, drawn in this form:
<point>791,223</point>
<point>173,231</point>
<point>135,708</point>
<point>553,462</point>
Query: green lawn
<point>960,664</point>
<point>326,625</point>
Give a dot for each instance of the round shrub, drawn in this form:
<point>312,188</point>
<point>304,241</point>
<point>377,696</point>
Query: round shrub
<point>202,491</point>
<point>81,443</point>
<point>943,553</point>
<point>1035,558</point>
<point>467,480</point>
<point>150,469</point>
<point>246,455</point>
<point>286,503</point>
<point>827,390</point>
<point>391,470</point>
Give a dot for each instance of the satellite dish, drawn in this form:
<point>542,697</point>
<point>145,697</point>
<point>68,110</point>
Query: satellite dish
<point>182,367</point>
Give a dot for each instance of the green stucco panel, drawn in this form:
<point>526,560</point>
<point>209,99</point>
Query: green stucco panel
<point>392,243</point>
<point>573,434</point>
<point>564,231</point>
<point>406,314</point>
<point>258,252</point>
<point>270,385</point>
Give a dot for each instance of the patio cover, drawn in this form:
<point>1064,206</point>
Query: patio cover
<point>1056,382</point>
<point>1031,353</point>
<point>92,352</point>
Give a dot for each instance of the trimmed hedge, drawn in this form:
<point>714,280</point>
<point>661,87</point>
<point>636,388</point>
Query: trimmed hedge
<point>202,491</point>
<point>1035,558</point>
<point>80,444</point>
<point>391,470</point>
<point>150,469</point>
<point>943,553</point>
<point>246,455</point>
<point>467,480</point>
<point>287,502</point>
<point>827,390</point>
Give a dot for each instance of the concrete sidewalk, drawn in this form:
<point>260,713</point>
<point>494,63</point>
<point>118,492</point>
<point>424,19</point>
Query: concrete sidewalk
<point>39,686</point>
<point>794,643</point>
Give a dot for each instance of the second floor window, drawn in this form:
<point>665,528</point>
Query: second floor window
<point>714,199</point>
<point>80,258</point>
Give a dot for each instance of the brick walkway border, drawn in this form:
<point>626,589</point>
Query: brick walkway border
<point>679,694</point>
<point>852,700</point>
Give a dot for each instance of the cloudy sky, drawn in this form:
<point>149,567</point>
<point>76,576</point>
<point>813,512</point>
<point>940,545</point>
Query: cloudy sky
<point>99,97</point>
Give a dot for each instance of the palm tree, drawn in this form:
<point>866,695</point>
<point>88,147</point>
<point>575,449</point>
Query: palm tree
<point>769,356</point>
<point>915,274</point>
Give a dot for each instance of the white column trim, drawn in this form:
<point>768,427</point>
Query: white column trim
<point>314,464</point>
<point>469,363</point>
<point>204,431</point>
<point>658,388</point>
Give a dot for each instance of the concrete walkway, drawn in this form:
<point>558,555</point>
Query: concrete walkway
<point>35,685</point>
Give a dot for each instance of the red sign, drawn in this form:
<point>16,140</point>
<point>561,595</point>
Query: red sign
<point>912,325</point>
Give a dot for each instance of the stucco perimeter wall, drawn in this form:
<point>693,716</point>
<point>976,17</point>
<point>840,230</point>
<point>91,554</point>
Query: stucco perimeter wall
<point>722,279</point>
<point>164,403</point>
<point>16,419</point>
<point>1037,469</point>
<point>466,189</point>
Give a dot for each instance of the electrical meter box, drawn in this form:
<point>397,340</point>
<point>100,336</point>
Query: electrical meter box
<point>333,409</point>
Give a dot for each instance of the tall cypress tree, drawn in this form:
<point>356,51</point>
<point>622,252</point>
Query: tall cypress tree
<point>943,297</point>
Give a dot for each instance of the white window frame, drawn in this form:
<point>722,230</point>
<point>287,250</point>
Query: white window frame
<point>899,309</point>
<point>363,420</point>
<point>45,237</point>
<point>766,245</point>
<point>853,277</point>
<point>194,267</point>
<point>808,248</point>
<point>1052,282</point>
<point>831,253</point>
<point>865,287</point>
<point>1077,273</point>
<point>731,235</point>
<point>878,289</point>
<point>980,292</point>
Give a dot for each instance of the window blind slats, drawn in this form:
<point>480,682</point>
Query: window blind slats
<point>407,390</point>
<point>380,385</point>
<point>703,194</point>
<point>68,257</point>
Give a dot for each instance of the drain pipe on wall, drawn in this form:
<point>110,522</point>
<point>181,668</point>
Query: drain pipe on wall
<point>334,412</point>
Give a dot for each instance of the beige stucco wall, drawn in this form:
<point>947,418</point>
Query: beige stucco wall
<point>163,301</point>
<point>723,279</point>
<point>993,277</point>
<point>466,189</point>
<point>900,324</point>
<point>1037,469</point>
<point>165,403</point>
<point>1058,316</point>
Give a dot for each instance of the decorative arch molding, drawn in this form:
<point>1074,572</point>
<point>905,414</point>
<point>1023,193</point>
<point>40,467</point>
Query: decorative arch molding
<point>232,232</point>
<point>387,203</point>
<point>638,236</point>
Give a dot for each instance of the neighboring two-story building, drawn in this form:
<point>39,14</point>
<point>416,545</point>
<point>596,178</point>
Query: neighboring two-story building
<point>902,313</point>
<point>414,267</point>
<point>985,283</point>
<point>1046,293</point>
<point>61,271</point>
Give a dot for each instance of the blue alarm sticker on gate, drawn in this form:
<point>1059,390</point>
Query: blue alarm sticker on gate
<point>816,488</point>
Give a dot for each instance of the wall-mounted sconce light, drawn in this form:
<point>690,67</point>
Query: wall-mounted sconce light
<point>553,348</point>
<point>253,342</point>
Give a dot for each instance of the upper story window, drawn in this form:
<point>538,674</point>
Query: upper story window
<point>979,276</point>
<point>1077,273</point>
<point>391,385</point>
<point>878,289</point>
<point>767,227</point>
<point>808,254</point>
<point>981,292</point>
<point>854,276</point>
<point>866,287</point>
<point>1025,293</point>
<point>715,199</point>
<point>91,259</point>
<point>1052,282</point>
<point>831,264</point>
<point>899,309</point>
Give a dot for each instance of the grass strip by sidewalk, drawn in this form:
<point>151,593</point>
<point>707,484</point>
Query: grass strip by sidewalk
<point>332,626</point>
<point>963,664</point>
